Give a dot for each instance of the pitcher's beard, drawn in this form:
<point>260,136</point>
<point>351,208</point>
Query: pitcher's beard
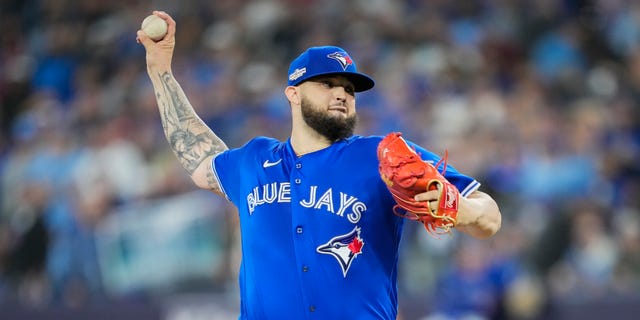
<point>332,128</point>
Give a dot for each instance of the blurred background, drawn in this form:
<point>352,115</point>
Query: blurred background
<point>539,100</point>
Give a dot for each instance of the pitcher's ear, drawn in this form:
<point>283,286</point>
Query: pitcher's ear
<point>293,95</point>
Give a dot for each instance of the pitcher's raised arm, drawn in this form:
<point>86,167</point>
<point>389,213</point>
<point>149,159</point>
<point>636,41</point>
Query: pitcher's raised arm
<point>190,139</point>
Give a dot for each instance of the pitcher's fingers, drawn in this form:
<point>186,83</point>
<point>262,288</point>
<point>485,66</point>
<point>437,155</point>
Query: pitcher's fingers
<point>171,24</point>
<point>433,206</point>
<point>427,196</point>
<point>143,39</point>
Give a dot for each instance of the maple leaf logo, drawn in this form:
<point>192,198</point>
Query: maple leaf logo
<point>356,246</point>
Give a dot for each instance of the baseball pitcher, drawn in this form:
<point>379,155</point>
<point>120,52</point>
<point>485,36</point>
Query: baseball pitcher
<point>322,213</point>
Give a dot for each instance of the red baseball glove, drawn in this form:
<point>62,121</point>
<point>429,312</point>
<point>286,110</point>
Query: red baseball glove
<point>407,175</point>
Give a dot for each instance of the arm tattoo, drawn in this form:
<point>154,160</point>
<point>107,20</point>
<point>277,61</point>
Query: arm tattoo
<point>189,137</point>
<point>212,181</point>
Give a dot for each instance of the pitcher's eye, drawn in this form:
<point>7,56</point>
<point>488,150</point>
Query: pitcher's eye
<point>350,90</point>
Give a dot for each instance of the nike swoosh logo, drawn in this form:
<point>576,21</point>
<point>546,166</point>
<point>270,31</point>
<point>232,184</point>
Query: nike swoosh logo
<point>268,164</point>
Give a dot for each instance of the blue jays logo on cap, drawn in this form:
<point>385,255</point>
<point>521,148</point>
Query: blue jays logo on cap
<point>343,59</point>
<point>344,248</point>
<point>327,60</point>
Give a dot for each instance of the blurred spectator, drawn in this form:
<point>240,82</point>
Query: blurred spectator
<point>627,269</point>
<point>586,270</point>
<point>465,290</point>
<point>487,281</point>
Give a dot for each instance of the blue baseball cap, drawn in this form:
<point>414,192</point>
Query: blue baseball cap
<point>327,60</point>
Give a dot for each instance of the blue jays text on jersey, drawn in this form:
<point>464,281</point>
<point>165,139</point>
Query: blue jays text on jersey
<point>280,192</point>
<point>319,239</point>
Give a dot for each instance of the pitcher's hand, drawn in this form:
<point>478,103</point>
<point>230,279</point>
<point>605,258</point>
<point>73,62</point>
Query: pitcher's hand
<point>160,53</point>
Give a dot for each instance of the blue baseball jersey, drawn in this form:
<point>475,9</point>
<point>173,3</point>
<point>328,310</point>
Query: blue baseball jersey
<point>319,238</point>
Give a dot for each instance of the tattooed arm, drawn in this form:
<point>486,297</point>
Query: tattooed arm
<point>193,143</point>
<point>189,137</point>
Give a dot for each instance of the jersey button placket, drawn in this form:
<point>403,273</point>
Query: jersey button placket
<point>298,166</point>
<point>298,223</point>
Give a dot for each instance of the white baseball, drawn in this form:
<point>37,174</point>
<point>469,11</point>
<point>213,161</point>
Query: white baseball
<point>154,27</point>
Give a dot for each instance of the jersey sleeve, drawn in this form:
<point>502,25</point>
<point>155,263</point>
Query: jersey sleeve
<point>220,163</point>
<point>465,184</point>
<point>234,166</point>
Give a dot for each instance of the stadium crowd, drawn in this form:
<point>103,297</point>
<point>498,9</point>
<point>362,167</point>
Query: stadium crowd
<point>537,99</point>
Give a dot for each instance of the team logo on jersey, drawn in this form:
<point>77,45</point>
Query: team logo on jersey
<point>344,248</point>
<point>341,57</point>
